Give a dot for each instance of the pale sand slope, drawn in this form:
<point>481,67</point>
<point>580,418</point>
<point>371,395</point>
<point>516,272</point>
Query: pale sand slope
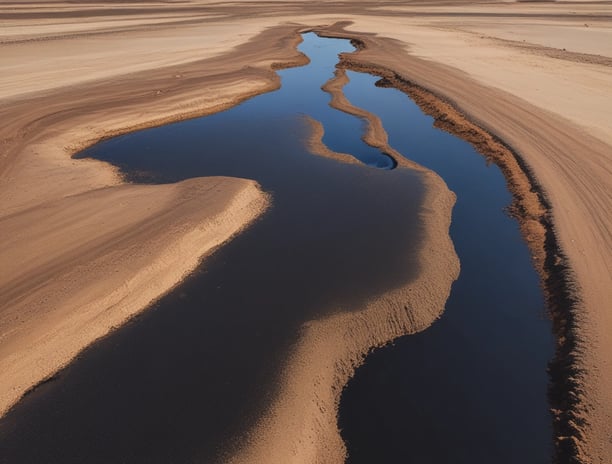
<point>555,112</point>
<point>551,105</point>
<point>81,252</point>
<point>301,425</point>
<point>74,268</point>
<point>47,191</point>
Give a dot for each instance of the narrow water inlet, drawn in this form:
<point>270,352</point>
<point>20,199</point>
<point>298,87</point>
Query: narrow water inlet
<point>473,387</point>
<point>182,371</point>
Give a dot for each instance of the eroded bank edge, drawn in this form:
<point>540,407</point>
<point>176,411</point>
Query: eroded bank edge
<point>301,424</point>
<point>533,212</point>
<point>294,58</point>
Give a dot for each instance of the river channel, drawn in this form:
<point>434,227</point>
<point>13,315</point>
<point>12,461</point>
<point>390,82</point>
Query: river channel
<point>186,378</point>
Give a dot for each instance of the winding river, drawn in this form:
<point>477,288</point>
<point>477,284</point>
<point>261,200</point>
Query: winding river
<point>184,379</point>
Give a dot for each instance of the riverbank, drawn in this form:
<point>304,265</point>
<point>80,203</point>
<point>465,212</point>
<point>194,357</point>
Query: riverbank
<point>545,95</point>
<point>301,424</point>
<point>580,401</point>
<point>82,251</point>
<point>411,307</point>
<point>548,198</point>
<point>75,268</point>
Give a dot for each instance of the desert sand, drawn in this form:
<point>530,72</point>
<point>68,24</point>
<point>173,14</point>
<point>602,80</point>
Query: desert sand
<point>535,76</point>
<point>75,267</point>
<point>318,147</point>
<point>81,250</point>
<point>301,424</point>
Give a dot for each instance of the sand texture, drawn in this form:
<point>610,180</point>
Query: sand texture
<point>528,83</point>
<point>565,211</point>
<point>81,251</point>
<point>75,268</point>
<point>317,146</point>
<point>301,424</point>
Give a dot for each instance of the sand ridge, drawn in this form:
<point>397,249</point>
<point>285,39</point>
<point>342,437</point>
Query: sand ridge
<point>69,275</point>
<point>91,261</point>
<point>579,398</point>
<point>301,424</point>
<point>315,143</point>
<point>375,134</point>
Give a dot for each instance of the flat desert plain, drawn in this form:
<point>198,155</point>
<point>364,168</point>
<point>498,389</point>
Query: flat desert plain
<point>531,82</point>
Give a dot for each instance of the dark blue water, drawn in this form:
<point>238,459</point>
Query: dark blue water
<point>186,379</point>
<point>472,388</point>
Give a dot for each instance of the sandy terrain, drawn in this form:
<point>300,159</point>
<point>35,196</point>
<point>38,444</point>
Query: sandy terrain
<point>74,268</point>
<point>81,251</point>
<point>537,76</point>
<point>301,425</point>
<point>556,122</point>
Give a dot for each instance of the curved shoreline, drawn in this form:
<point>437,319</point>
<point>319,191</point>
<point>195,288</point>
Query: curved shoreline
<point>534,214</point>
<point>561,283</point>
<point>41,332</point>
<point>315,143</point>
<point>123,249</point>
<point>301,425</point>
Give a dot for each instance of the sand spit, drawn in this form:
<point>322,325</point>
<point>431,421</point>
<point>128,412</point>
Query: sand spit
<point>315,143</point>
<point>301,425</point>
<point>579,399</point>
<point>75,268</point>
<point>375,134</point>
<point>81,251</point>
